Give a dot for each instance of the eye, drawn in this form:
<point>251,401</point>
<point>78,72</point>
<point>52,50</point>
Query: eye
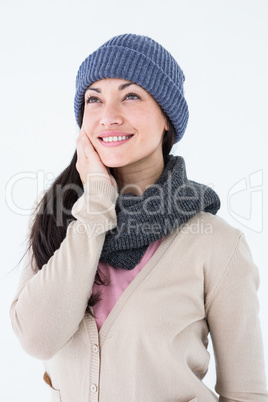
<point>92,99</point>
<point>131,96</point>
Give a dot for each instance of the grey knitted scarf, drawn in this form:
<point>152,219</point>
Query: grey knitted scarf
<point>160,210</point>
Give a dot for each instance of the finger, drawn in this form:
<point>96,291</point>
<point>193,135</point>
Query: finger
<point>89,162</point>
<point>80,149</point>
<point>82,141</point>
<point>89,150</point>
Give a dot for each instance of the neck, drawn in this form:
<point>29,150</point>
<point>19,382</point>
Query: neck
<point>137,177</point>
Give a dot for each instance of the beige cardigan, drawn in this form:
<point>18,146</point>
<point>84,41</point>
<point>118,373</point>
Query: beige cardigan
<point>152,346</point>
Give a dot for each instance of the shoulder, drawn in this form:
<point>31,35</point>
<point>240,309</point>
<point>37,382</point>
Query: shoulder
<point>210,231</point>
<point>206,239</point>
<point>211,246</point>
<point>212,222</point>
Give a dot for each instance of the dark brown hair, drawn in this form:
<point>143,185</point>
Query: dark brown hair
<point>53,213</point>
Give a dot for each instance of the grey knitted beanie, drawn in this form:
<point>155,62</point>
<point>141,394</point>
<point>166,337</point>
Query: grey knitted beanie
<point>143,61</point>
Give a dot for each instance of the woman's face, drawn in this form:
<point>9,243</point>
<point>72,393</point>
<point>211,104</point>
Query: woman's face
<point>124,122</point>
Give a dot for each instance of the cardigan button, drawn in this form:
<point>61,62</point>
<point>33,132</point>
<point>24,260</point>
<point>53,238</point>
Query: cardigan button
<point>95,348</point>
<point>93,388</point>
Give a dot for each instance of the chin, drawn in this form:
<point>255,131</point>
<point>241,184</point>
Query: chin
<point>114,162</point>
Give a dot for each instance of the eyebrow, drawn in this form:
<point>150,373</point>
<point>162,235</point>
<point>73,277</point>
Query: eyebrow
<point>121,87</point>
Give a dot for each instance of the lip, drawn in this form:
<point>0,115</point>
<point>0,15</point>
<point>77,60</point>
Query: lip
<point>114,134</point>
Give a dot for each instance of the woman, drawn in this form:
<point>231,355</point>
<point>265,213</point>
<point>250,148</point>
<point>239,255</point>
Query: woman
<point>128,267</point>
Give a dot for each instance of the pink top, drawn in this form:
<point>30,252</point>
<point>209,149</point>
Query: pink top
<point>119,280</point>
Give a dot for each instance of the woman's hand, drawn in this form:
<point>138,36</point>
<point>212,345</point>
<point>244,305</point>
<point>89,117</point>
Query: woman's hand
<point>89,164</point>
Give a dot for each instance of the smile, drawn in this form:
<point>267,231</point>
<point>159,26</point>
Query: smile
<point>115,138</point>
<point>112,140</point>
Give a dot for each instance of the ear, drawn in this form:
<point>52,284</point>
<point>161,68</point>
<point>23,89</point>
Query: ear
<point>166,127</point>
<point>166,124</point>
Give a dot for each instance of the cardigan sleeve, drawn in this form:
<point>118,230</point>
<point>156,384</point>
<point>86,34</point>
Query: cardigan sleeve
<point>50,303</point>
<point>232,314</point>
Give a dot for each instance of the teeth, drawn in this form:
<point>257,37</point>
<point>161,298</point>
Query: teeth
<point>114,139</point>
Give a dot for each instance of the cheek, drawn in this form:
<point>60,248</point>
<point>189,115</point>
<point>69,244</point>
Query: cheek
<point>151,119</point>
<point>87,124</point>
<point>153,128</point>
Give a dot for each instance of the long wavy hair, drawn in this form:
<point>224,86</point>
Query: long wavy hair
<point>52,214</point>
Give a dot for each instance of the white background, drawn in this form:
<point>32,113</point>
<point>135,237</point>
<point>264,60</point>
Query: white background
<point>222,48</point>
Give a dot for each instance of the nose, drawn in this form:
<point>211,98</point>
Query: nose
<point>111,116</point>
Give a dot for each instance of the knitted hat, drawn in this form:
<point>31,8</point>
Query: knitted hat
<point>143,61</point>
